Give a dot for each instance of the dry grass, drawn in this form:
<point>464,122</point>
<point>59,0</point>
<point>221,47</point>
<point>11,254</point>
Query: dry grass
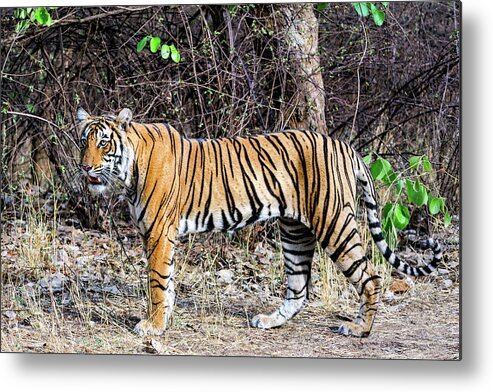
<point>68,290</point>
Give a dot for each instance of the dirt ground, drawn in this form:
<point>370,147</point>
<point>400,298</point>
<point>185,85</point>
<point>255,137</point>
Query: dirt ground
<point>70,290</point>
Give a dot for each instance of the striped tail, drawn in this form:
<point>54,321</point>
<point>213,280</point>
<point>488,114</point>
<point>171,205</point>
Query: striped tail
<point>364,177</point>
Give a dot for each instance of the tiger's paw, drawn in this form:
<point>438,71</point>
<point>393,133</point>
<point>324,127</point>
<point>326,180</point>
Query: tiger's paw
<point>352,329</point>
<point>264,321</point>
<point>145,328</point>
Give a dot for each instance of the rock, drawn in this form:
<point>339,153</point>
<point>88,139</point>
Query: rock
<point>57,280</point>
<point>447,283</point>
<point>29,290</point>
<point>112,290</point>
<point>389,296</point>
<point>158,346</point>
<point>53,282</point>
<point>61,258</point>
<point>442,271</point>
<point>230,290</point>
<point>73,250</point>
<point>399,286</point>
<point>225,276</point>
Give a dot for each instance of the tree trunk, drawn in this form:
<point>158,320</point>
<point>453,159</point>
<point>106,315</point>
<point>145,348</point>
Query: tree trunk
<point>306,106</point>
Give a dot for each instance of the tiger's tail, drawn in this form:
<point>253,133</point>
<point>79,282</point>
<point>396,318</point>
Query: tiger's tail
<point>364,178</point>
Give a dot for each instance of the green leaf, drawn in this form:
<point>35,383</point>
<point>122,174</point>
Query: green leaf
<point>411,193</point>
<point>385,3</point>
<point>399,185</point>
<point>380,168</point>
<point>30,108</point>
<point>322,6</point>
<point>447,219</point>
<point>361,9</point>
<point>154,44</point>
<point>22,25</point>
<point>435,205</point>
<point>443,204</point>
<point>165,51</point>
<point>426,164</point>
<point>386,210</point>
<point>367,159</point>
<point>387,216</point>
<point>390,178</point>
<point>142,43</point>
<point>378,17</point>
<point>42,16</point>
<point>32,16</point>
<point>414,162</point>
<point>175,55</point>
<point>401,216</point>
<point>421,194</point>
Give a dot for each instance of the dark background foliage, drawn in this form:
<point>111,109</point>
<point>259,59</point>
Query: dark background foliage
<point>393,90</point>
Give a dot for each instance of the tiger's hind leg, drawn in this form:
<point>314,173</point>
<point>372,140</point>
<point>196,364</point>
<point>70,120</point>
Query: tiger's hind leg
<point>298,245</point>
<point>355,265</point>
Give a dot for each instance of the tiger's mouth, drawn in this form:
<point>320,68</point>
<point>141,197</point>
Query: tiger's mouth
<point>94,180</point>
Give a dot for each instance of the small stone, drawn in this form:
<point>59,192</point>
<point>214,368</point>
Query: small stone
<point>73,250</point>
<point>158,346</point>
<point>53,282</point>
<point>44,283</point>
<point>57,280</point>
<point>225,276</point>
<point>112,290</point>
<point>28,289</point>
<point>230,290</point>
<point>389,296</point>
<point>447,283</point>
<point>61,258</point>
<point>10,314</point>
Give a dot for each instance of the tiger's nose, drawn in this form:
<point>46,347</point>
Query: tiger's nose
<point>86,167</point>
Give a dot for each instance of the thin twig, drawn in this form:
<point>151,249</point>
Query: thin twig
<point>359,80</point>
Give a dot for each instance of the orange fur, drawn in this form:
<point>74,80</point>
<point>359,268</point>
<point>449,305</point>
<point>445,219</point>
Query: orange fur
<point>176,186</point>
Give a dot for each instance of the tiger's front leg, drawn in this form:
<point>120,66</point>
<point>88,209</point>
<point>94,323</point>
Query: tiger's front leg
<point>161,285</point>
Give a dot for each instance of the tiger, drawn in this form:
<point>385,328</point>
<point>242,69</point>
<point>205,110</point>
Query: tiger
<point>176,186</point>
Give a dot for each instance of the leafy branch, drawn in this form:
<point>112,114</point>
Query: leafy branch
<point>365,9</point>
<point>166,51</point>
<point>28,16</point>
<point>395,214</point>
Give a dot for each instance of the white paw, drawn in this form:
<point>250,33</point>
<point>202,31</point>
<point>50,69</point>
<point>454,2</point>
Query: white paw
<point>353,329</point>
<point>145,327</point>
<point>263,321</point>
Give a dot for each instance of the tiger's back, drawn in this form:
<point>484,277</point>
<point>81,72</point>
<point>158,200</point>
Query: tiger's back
<point>232,182</point>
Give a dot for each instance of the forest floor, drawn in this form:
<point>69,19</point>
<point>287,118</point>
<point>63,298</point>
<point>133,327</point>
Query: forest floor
<point>68,290</point>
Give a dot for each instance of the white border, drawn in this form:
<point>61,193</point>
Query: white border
<point>474,373</point>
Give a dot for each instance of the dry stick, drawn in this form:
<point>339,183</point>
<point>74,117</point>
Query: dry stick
<point>359,81</point>
<point>44,120</point>
<point>194,67</point>
<point>122,245</point>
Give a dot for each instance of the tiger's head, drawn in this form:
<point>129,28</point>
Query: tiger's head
<point>104,155</point>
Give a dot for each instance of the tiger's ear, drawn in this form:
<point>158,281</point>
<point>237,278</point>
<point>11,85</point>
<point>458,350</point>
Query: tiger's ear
<point>82,116</point>
<point>124,117</point>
